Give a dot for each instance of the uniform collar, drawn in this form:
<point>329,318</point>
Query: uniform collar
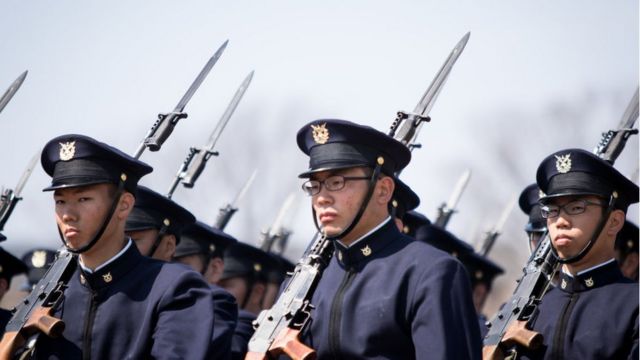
<point>112,270</point>
<point>597,276</point>
<point>367,247</point>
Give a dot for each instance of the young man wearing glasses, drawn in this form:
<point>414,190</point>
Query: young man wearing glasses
<point>383,294</point>
<point>593,311</point>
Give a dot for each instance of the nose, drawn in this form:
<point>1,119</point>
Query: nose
<point>67,213</point>
<point>561,221</point>
<point>324,197</point>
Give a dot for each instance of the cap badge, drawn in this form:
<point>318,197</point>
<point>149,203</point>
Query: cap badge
<point>107,277</point>
<point>67,150</point>
<point>212,248</point>
<point>563,163</point>
<point>366,251</point>
<point>39,258</point>
<point>1,269</point>
<point>479,274</point>
<point>589,282</point>
<point>563,284</point>
<point>406,229</point>
<point>320,133</point>
<point>257,267</point>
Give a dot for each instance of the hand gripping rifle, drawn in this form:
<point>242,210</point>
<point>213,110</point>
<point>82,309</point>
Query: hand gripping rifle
<point>34,315</point>
<point>9,198</point>
<point>447,209</point>
<point>197,158</point>
<point>163,127</point>
<point>226,212</point>
<point>509,328</point>
<point>278,329</point>
<point>277,233</point>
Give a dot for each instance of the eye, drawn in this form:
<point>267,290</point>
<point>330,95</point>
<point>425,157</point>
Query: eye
<point>83,199</point>
<point>334,182</point>
<point>576,207</point>
<point>59,201</point>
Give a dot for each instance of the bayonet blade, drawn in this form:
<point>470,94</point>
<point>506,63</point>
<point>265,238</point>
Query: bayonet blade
<point>429,97</point>
<point>201,76</point>
<point>27,173</point>
<point>244,189</point>
<point>631,113</point>
<point>6,97</point>
<point>459,189</point>
<point>276,228</point>
<point>213,138</point>
<point>505,214</point>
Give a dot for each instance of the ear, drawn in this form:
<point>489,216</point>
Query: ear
<point>168,247</point>
<point>125,205</point>
<point>615,223</point>
<point>384,190</point>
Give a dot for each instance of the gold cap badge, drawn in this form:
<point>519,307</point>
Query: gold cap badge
<point>39,259</point>
<point>212,248</point>
<point>563,163</point>
<point>107,277</point>
<point>320,133</point>
<point>257,267</point>
<point>366,251</point>
<point>166,222</point>
<point>67,150</point>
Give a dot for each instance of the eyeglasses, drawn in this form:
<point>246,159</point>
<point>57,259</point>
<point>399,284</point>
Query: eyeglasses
<point>332,183</point>
<point>574,207</point>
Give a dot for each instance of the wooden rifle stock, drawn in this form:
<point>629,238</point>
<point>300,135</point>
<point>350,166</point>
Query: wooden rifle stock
<point>516,334</point>
<point>39,321</point>
<point>288,343</point>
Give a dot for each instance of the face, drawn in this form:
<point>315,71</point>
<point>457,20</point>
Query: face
<point>144,239</point>
<point>81,211</point>
<point>335,210</point>
<point>571,233</point>
<point>195,261</point>
<point>237,287</point>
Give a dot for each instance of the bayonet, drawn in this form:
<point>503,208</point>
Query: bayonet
<point>226,212</point>
<point>163,127</point>
<point>412,122</point>
<point>10,198</point>
<point>6,97</point>
<point>277,233</point>
<point>197,158</point>
<point>447,209</point>
<point>493,234</point>
<point>613,141</point>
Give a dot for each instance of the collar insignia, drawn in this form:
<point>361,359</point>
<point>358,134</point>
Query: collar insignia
<point>563,163</point>
<point>589,282</point>
<point>67,150</point>
<point>107,277</point>
<point>563,284</point>
<point>366,251</point>
<point>38,259</point>
<point>320,133</point>
<point>339,255</point>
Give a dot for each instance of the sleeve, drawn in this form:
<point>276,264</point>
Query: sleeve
<point>634,354</point>
<point>185,319</point>
<point>444,321</point>
<point>226,318</point>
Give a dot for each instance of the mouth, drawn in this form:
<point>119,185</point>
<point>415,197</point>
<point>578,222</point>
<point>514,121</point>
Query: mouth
<point>71,232</point>
<point>327,217</point>
<point>562,240</point>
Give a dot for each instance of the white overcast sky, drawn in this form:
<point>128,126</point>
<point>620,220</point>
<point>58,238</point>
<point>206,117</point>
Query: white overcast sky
<point>535,77</point>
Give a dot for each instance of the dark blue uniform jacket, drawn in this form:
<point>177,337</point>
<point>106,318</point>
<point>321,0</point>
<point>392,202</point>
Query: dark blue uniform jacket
<point>243,334</point>
<point>591,316</point>
<point>391,297</point>
<point>134,308</point>
<point>226,319</point>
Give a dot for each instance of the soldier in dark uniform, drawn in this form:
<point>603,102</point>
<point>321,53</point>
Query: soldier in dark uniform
<point>593,312</point>
<point>200,244</point>
<point>38,262</point>
<point>482,272</point>
<point>10,266</point>
<point>276,273</point>
<point>118,304</point>
<point>245,276</point>
<point>529,204</point>
<point>155,224</point>
<point>627,250</point>
<point>383,294</point>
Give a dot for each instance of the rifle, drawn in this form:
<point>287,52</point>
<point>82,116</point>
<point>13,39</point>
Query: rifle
<point>492,235</point>
<point>10,198</point>
<point>34,315</point>
<point>277,233</point>
<point>197,158</point>
<point>15,85</point>
<point>163,127</point>
<point>278,329</point>
<point>447,209</point>
<point>510,326</point>
<point>226,212</point>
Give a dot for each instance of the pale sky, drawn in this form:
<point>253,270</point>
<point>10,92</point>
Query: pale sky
<point>535,77</point>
